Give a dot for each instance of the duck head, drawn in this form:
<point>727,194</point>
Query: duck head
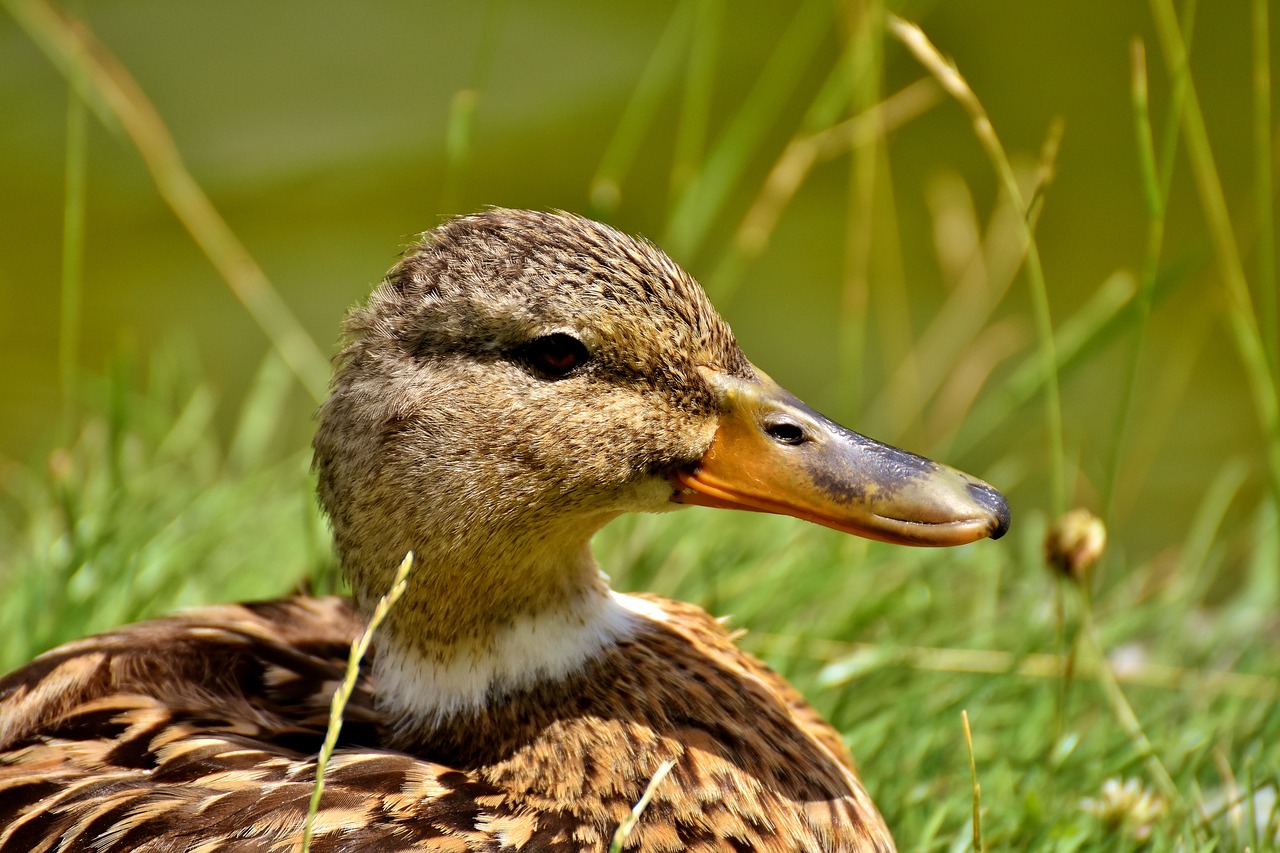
<point>520,378</point>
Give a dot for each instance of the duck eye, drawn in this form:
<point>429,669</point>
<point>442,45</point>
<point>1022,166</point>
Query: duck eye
<point>555,355</point>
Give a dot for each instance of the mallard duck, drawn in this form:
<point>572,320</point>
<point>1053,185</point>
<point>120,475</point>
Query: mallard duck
<point>515,382</point>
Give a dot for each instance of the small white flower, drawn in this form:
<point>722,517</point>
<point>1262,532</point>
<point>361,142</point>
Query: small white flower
<point>1127,806</point>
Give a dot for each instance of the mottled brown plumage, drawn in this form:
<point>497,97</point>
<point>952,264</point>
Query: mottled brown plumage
<point>517,381</point>
<point>156,764</point>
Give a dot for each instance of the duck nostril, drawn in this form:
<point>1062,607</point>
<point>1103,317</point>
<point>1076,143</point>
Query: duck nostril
<point>785,432</point>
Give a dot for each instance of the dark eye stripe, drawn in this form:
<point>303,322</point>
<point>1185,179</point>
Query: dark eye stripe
<point>555,355</point>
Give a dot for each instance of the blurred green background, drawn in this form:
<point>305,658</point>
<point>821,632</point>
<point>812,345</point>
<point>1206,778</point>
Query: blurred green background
<point>321,131</point>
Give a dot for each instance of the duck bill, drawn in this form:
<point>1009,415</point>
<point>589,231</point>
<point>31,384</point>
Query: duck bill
<point>772,453</point>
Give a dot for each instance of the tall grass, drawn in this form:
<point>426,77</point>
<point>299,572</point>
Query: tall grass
<point>1129,709</point>
<point>120,102</point>
<point>146,508</point>
<point>1245,327</point>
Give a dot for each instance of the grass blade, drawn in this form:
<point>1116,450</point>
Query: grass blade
<point>605,192</point>
<point>792,168</point>
<point>73,234</point>
<point>86,61</point>
<point>696,209</point>
<point>946,73</point>
<point>977,789</point>
<point>460,128</point>
<point>1155,194</point>
<point>343,694</point>
<point>699,80</point>
<point>1245,330</point>
<point>1262,182</point>
<point>625,828</point>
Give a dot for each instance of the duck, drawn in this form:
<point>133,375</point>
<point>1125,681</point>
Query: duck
<point>517,380</point>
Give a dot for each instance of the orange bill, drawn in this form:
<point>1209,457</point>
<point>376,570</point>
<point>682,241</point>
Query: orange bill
<point>772,453</point>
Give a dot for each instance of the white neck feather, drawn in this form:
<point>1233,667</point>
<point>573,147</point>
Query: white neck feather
<point>420,693</point>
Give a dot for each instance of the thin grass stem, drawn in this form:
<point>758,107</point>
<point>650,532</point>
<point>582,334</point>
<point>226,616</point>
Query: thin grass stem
<point>867,44</point>
<point>918,43</point>
<point>977,789</point>
<point>460,128</point>
<point>1262,181</point>
<point>699,84</point>
<point>1243,319</point>
<point>1122,709</point>
<point>959,348</point>
<point>1155,195</point>
<point>86,62</point>
<point>659,72</point>
<point>793,167</point>
<point>1252,807</point>
<point>697,207</point>
<point>1179,80</point>
<point>73,236</point>
<point>629,824</point>
<point>1205,528</point>
<point>343,694</point>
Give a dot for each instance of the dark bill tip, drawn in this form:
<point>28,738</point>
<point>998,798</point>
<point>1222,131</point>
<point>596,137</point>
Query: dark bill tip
<point>995,502</point>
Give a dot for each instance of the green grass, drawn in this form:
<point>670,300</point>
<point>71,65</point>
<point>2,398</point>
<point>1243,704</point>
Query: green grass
<point>147,509</point>
<point>1137,711</point>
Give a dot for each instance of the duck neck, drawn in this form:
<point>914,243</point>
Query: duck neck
<point>475,625</point>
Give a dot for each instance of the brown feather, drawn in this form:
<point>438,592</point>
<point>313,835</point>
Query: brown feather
<point>149,762</point>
